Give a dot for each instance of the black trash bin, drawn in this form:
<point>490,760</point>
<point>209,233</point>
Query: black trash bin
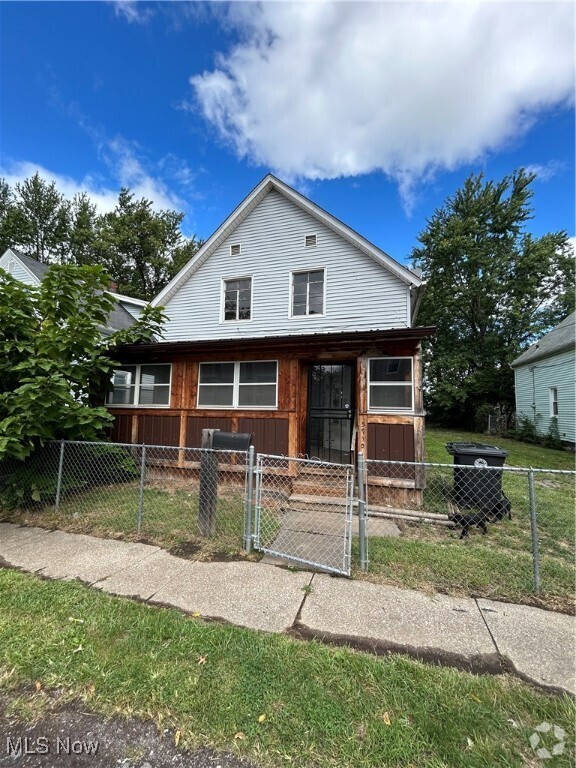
<point>474,487</point>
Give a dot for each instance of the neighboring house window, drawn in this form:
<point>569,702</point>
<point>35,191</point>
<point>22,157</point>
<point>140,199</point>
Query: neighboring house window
<point>141,385</point>
<point>237,299</point>
<point>11,266</point>
<point>238,385</point>
<point>390,384</point>
<point>553,401</point>
<point>308,293</point>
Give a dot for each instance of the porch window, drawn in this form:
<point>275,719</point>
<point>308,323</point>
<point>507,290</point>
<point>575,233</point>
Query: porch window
<point>238,385</point>
<point>553,401</point>
<point>141,385</point>
<point>308,293</point>
<point>237,299</point>
<point>390,384</point>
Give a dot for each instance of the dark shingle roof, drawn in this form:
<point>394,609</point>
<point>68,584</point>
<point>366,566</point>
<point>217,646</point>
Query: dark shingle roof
<point>33,265</point>
<point>559,339</point>
<point>118,319</point>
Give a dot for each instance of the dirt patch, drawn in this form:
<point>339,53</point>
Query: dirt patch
<point>193,550</point>
<point>71,737</point>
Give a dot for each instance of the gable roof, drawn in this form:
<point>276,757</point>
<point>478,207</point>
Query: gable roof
<point>250,202</point>
<point>35,269</point>
<point>559,339</point>
<point>118,319</point>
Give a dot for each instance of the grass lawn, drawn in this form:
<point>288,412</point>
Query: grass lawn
<point>498,565</point>
<point>170,516</point>
<point>279,701</point>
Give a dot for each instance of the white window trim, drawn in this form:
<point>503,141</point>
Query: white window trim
<point>223,282</point>
<point>135,404</point>
<point>235,388</point>
<point>371,409</point>
<point>553,400</point>
<point>291,292</point>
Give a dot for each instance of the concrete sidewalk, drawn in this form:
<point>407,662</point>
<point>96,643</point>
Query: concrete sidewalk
<point>477,635</point>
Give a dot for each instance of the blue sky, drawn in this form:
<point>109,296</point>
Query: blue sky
<point>376,111</point>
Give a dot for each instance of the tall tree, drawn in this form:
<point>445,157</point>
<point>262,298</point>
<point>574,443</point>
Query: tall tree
<point>83,230</point>
<point>56,358</point>
<point>491,288</point>
<point>141,248</point>
<point>45,215</point>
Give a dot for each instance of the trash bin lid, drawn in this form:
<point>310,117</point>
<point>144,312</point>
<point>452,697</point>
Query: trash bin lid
<point>474,449</point>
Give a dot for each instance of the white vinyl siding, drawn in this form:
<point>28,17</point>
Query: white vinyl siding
<point>246,384</point>
<point>361,294</point>
<point>18,271</point>
<point>145,386</point>
<point>533,400</point>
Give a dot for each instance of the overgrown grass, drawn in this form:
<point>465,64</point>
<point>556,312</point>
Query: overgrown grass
<point>323,707</point>
<point>169,516</point>
<point>519,454</point>
<point>498,565</point>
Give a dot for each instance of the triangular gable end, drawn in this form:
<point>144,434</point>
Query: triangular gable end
<point>250,202</point>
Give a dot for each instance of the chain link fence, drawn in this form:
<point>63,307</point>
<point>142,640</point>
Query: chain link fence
<point>501,532</point>
<point>303,511</point>
<point>190,498</point>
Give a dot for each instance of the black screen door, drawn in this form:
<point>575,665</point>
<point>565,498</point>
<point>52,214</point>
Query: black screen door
<point>330,411</point>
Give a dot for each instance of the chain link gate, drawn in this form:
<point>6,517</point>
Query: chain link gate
<point>303,511</point>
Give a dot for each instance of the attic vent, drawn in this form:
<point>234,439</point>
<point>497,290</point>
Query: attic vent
<point>235,249</point>
<point>310,241</point>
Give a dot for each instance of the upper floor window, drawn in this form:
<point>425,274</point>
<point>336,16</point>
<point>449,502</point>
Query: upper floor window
<point>11,266</point>
<point>141,385</point>
<point>238,385</point>
<point>308,292</point>
<point>390,384</point>
<point>237,299</point>
<point>553,401</point>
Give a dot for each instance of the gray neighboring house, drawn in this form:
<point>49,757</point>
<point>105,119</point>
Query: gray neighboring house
<point>31,271</point>
<point>545,381</point>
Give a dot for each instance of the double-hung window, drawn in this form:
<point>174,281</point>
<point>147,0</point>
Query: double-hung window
<point>238,385</point>
<point>141,385</point>
<point>390,384</point>
<point>308,293</point>
<point>553,394</point>
<point>237,299</point>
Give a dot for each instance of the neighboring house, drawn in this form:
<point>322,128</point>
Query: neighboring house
<point>289,325</point>
<point>30,271</point>
<point>545,380</point>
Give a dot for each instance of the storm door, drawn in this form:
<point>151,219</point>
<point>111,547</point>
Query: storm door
<point>330,411</point>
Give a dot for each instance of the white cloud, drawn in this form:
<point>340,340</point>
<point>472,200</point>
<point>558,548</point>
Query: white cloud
<point>126,167</point>
<point>546,171</point>
<point>104,198</point>
<point>133,11</point>
<point>324,90</point>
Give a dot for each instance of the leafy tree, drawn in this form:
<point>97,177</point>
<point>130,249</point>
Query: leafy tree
<point>491,288</point>
<point>140,248</point>
<point>44,216</point>
<point>57,356</point>
<point>83,230</point>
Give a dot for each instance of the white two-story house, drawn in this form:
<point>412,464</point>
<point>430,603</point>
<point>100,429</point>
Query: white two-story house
<point>286,324</point>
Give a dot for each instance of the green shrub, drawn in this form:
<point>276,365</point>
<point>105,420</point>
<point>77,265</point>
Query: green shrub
<point>552,437</point>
